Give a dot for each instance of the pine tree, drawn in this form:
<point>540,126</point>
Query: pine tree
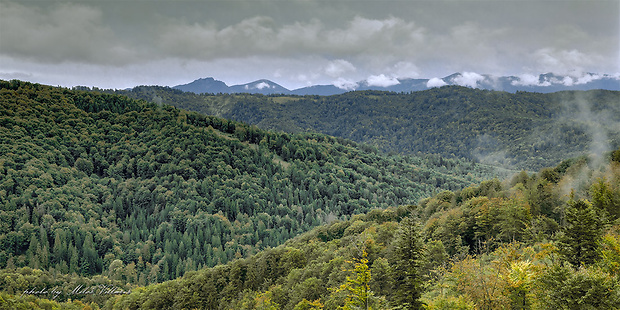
<point>406,275</point>
<point>579,243</point>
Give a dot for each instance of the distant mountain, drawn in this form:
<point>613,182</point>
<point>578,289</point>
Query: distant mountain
<point>543,83</point>
<point>211,85</point>
<point>265,87</point>
<point>321,90</point>
<point>206,85</point>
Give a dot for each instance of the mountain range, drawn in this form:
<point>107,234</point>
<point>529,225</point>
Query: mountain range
<point>543,83</point>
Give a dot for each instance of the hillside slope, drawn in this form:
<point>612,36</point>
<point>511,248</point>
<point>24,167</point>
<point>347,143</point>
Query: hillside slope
<point>519,131</point>
<point>96,184</point>
<point>521,244</point>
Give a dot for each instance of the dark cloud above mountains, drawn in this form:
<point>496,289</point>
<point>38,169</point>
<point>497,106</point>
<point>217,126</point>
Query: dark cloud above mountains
<point>121,43</point>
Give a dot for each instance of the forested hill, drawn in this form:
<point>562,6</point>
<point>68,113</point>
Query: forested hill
<point>521,130</point>
<point>549,240</point>
<point>95,183</point>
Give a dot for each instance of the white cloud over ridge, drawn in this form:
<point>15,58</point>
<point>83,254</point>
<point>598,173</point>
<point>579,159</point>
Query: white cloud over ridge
<point>262,85</point>
<point>529,80</point>
<point>468,79</point>
<point>345,84</point>
<point>567,80</point>
<point>435,82</point>
<point>381,80</point>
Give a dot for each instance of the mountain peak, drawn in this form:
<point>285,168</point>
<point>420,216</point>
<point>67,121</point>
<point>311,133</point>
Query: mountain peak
<point>261,87</point>
<point>204,85</point>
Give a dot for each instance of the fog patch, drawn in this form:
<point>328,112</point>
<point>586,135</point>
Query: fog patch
<point>599,126</point>
<point>490,151</point>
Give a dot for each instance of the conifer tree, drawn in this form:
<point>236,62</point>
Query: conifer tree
<point>579,243</point>
<point>406,275</point>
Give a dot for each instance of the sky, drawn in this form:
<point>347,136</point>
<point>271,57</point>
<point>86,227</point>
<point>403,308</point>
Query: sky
<point>296,43</point>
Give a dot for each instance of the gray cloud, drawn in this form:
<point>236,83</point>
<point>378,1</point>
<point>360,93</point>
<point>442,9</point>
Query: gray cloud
<point>261,35</point>
<point>339,67</point>
<point>304,41</point>
<point>60,33</point>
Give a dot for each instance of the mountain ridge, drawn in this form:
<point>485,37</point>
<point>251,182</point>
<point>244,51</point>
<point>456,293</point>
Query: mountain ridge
<point>544,83</point>
<point>527,130</point>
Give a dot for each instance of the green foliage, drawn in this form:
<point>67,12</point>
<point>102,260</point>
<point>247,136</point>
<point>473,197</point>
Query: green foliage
<point>526,130</point>
<point>11,302</point>
<point>94,183</point>
<point>203,212</point>
<point>408,257</point>
<point>27,284</point>
<point>605,199</point>
<point>305,273</point>
<point>504,270</point>
<point>308,305</point>
<point>610,253</point>
<point>357,285</point>
<point>582,234</point>
<point>451,303</point>
<point>563,287</point>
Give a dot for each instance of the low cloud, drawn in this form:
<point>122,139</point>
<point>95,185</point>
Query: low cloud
<point>262,85</point>
<point>435,82</point>
<point>345,84</point>
<point>530,80</point>
<point>382,80</point>
<point>587,78</point>
<point>468,79</point>
<point>569,80</point>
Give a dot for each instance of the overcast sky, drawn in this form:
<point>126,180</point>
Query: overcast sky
<point>124,43</point>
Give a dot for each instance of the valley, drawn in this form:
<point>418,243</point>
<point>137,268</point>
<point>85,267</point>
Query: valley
<point>307,202</point>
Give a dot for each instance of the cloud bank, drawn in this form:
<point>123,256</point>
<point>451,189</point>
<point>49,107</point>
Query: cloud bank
<point>303,42</point>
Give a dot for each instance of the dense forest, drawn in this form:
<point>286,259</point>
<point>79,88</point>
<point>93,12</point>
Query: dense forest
<point>549,240</point>
<point>522,130</point>
<point>108,202</point>
<point>95,184</point>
